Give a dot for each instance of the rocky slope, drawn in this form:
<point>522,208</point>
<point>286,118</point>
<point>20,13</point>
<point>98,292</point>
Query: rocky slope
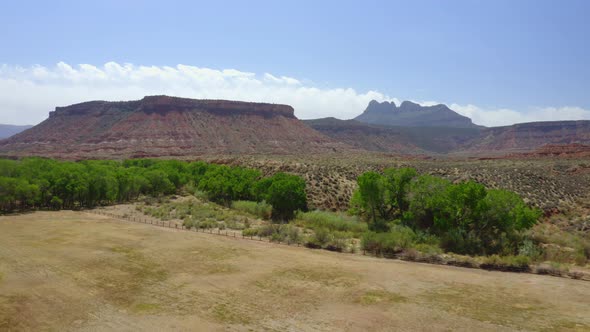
<point>410,114</point>
<point>394,139</point>
<point>551,184</point>
<point>411,129</point>
<point>9,130</point>
<point>527,137</point>
<point>167,126</point>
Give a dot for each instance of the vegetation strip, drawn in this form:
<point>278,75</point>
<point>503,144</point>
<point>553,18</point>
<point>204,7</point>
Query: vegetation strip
<point>396,213</point>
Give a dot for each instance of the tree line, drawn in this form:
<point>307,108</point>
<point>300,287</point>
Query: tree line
<point>37,183</point>
<point>397,204</point>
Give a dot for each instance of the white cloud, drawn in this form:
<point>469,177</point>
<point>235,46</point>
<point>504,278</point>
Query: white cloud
<point>27,94</point>
<point>504,116</point>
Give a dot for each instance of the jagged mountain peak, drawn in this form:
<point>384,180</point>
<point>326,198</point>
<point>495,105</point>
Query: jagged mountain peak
<point>410,114</point>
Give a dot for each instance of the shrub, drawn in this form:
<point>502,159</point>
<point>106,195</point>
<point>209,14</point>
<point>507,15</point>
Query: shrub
<point>390,243</point>
<point>250,232</point>
<point>200,194</point>
<point>319,239</point>
<point>553,268</point>
<point>278,233</point>
<point>506,263</point>
<point>261,210</point>
<point>530,250</point>
<point>286,194</point>
<point>428,249</point>
<point>188,223</point>
<point>206,224</point>
<point>267,230</point>
<point>331,221</point>
<point>339,241</point>
<point>461,261</point>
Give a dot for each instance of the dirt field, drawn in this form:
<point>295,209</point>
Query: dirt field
<point>79,271</point>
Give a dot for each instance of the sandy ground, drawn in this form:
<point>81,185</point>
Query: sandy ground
<point>85,272</point>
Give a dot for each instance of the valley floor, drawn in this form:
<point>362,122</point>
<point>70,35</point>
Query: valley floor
<point>85,272</point>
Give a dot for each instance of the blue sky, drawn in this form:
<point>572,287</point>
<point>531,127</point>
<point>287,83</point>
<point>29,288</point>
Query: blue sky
<point>528,57</point>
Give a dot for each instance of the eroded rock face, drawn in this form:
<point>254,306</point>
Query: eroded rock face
<point>410,114</point>
<point>527,137</point>
<point>394,139</point>
<point>167,126</point>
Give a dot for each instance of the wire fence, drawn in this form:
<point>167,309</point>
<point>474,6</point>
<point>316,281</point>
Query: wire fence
<point>176,226</point>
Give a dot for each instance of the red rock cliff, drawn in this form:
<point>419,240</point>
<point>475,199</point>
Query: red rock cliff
<point>168,126</point>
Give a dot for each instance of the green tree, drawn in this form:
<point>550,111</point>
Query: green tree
<point>372,199</point>
<point>159,183</point>
<point>286,194</point>
<point>397,183</point>
<point>426,197</point>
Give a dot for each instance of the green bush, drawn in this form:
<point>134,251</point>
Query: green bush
<point>561,246</point>
<point>506,263</point>
<point>530,250</point>
<point>206,224</point>
<point>188,223</point>
<point>250,232</point>
<point>261,210</point>
<point>319,239</point>
<point>390,243</point>
<point>330,221</point>
<point>279,233</point>
<point>286,194</point>
<point>428,249</point>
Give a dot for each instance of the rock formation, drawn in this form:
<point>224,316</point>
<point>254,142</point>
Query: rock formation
<point>410,114</point>
<point>526,137</point>
<point>167,126</point>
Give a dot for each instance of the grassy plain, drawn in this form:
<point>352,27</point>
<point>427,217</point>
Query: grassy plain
<point>83,272</point>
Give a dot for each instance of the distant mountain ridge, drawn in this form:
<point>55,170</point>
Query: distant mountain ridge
<point>163,126</point>
<point>414,129</point>
<point>160,126</point>
<point>410,114</point>
<point>394,139</point>
<point>494,141</point>
<point>525,137</point>
<point>10,130</point>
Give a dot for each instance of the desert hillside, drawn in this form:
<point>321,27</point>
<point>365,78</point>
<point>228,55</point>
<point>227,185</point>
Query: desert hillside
<point>435,130</point>
<point>159,126</point>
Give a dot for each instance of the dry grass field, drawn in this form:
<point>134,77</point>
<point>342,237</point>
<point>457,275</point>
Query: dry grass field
<point>83,272</point>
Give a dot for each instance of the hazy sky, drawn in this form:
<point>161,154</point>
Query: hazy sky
<point>499,62</point>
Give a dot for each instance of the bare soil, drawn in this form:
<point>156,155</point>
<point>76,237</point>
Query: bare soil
<point>85,272</point>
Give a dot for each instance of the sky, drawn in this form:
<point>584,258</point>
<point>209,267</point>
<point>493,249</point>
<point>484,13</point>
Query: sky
<point>498,62</point>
